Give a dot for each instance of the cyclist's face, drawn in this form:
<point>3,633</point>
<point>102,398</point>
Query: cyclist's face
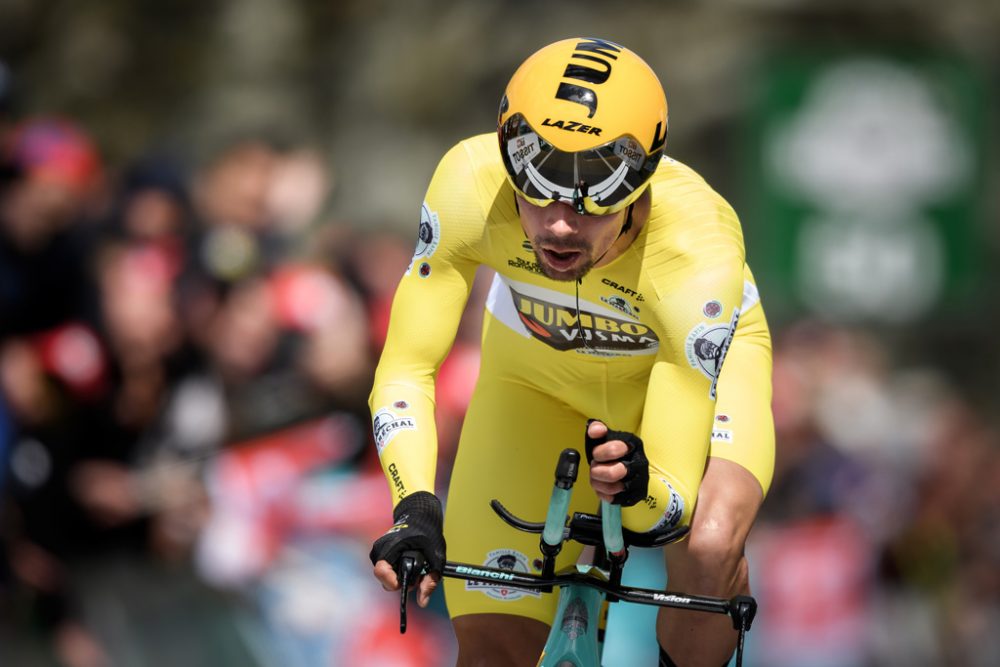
<point>566,243</point>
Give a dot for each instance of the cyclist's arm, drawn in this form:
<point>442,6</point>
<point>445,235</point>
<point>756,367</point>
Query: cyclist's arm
<point>680,397</point>
<point>744,427</point>
<point>425,315</point>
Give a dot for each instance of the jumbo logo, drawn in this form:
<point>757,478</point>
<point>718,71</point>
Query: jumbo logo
<point>563,329</point>
<point>590,51</point>
<point>591,63</point>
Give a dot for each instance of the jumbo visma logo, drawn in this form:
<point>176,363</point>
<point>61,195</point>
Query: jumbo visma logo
<point>561,328</point>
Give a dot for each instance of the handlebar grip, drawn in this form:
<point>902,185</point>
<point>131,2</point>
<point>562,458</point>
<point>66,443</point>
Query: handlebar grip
<point>410,567</point>
<point>555,520</point>
<point>567,468</point>
<point>611,527</point>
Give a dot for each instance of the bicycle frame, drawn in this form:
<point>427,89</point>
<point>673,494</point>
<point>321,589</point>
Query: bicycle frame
<point>573,638</point>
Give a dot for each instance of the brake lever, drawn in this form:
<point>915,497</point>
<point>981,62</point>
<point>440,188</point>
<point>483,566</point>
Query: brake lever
<point>411,566</point>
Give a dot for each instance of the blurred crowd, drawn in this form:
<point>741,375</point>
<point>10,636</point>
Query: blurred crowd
<point>185,357</point>
<point>182,350</point>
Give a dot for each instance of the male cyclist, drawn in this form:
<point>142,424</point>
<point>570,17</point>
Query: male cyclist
<point>620,289</point>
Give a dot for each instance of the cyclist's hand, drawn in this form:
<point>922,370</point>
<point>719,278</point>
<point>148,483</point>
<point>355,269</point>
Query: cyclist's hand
<point>386,576</point>
<point>418,527</point>
<point>619,470</point>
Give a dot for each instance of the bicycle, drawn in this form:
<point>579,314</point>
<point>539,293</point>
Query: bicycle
<point>573,640</point>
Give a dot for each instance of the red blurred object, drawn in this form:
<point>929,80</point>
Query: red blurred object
<point>270,465</point>
<point>55,150</point>
<point>380,644</point>
<point>303,297</point>
<point>73,354</point>
<point>813,585</point>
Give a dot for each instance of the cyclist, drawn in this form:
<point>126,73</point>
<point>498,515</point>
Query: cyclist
<point>620,291</point>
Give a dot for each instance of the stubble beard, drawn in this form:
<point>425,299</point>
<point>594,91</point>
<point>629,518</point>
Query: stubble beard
<point>565,275</point>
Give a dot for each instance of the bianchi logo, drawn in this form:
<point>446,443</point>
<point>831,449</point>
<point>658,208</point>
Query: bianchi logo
<point>561,328</point>
<point>502,559</point>
<point>385,426</point>
<point>576,620</point>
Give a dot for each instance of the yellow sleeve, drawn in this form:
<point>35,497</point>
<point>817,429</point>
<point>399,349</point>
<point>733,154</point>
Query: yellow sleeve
<point>699,296</point>
<point>424,319</point>
<point>744,425</point>
<point>680,397</point>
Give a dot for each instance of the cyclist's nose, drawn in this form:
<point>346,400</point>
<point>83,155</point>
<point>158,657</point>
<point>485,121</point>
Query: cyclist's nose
<point>561,219</point>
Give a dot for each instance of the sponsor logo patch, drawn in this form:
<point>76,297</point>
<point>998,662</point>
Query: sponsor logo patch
<point>674,511</point>
<point>521,263</point>
<point>722,435</point>
<point>386,424</point>
<point>399,488</point>
<point>706,346</point>
<point>561,328</point>
<point>572,126</point>
<point>627,291</point>
<point>618,303</point>
<point>428,237</point>
<point>503,559</point>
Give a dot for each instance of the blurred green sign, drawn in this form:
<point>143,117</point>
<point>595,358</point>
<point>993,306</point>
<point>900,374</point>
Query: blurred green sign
<point>865,184</point>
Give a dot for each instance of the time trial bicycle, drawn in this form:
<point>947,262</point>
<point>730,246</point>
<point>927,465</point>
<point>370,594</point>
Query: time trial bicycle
<point>574,639</point>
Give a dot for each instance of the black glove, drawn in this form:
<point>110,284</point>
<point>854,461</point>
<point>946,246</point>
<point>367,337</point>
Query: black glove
<point>636,464</point>
<point>417,525</point>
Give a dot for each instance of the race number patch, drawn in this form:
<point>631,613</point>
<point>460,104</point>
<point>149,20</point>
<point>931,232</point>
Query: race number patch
<point>503,559</point>
<point>428,237</point>
<point>706,346</point>
<point>386,424</point>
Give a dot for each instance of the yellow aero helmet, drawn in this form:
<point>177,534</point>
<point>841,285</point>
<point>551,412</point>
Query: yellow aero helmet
<point>583,121</point>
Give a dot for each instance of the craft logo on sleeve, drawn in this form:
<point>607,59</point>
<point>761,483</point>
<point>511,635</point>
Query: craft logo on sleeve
<point>386,424</point>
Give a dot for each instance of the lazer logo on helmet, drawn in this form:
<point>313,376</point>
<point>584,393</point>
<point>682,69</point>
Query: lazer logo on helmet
<point>572,126</point>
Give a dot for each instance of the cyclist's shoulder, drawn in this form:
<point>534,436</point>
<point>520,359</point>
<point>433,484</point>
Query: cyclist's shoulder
<point>689,220</point>
<point>475,158</point>
<point>465,196</point>
<point>678,188</point>
<point>470,174</point>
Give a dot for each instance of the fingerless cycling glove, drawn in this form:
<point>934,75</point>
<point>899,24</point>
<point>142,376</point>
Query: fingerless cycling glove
<point>417,525</point>
<point>636,478</point>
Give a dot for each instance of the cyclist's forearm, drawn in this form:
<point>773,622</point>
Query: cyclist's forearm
<point>676,435</point>
<point>405,435</point>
